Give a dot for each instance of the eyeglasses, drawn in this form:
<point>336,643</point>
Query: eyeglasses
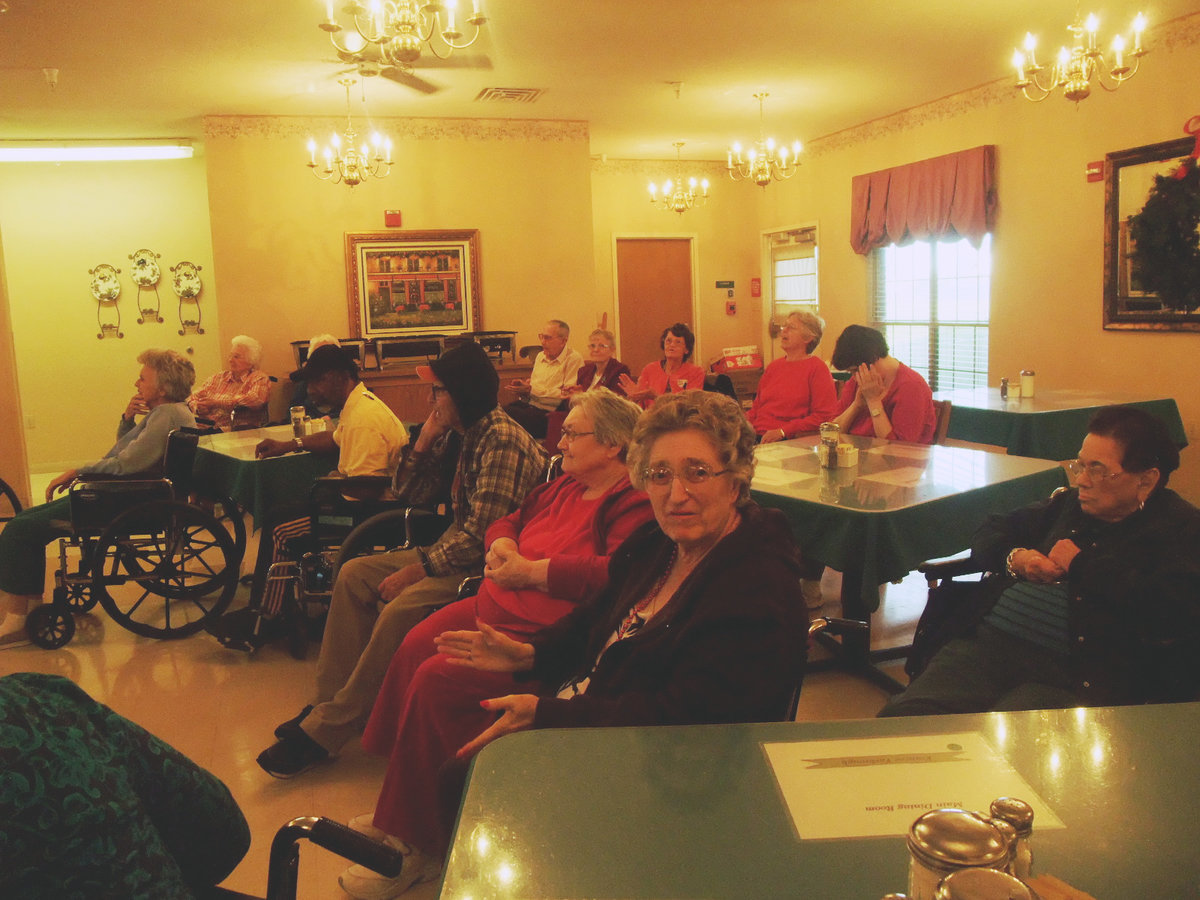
<point>1095,471</point>
<point>436,389</point>
<point>598,346</point>
<point>571,434</point>
<point>692,473</point>
<point>548,337</point>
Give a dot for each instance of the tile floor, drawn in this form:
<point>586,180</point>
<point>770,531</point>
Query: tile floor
<point>219,707</point>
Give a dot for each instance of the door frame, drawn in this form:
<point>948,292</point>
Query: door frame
<point>691,238</point>
<point>770,350</point>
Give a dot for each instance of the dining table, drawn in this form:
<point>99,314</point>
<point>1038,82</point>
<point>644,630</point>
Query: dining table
<point>226,466</point>
<point>898,506</point>
<point>1050,425</point>
<point>821,809</point>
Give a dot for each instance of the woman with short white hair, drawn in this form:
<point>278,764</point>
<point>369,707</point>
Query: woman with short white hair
<point>242,385</point>
<point>796,393</point>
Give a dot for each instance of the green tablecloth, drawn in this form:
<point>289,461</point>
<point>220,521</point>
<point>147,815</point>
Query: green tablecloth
<point>854,531</point>
<point>257,484</point>
<point>1031,428</point>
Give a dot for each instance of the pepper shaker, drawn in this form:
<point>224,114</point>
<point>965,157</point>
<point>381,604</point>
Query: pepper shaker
<point>1019,815</point>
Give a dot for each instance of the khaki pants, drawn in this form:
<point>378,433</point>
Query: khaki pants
<point>361,637</point>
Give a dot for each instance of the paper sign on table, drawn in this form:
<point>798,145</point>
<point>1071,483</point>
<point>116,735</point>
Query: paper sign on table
<point>876,787</point>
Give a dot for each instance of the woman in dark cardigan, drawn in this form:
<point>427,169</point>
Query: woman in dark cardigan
<point>702,621</point>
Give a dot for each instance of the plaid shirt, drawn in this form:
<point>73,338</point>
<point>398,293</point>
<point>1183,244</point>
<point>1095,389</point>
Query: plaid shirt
<point>226,390</point>
<point>498,465</point>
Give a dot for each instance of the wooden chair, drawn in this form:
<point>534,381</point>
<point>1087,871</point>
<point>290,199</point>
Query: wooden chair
<point>943,420</point>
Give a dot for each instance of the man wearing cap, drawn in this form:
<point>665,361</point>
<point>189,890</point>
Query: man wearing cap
<point>368,441</point>
<point>554,369</point>
<point>498,464</point>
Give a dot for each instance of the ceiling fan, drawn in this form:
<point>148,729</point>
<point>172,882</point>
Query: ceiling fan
<point>369,63</point>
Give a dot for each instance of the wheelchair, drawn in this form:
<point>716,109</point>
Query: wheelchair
<point>283,870</point>
<point>10,505</point>
<point>161,566</point>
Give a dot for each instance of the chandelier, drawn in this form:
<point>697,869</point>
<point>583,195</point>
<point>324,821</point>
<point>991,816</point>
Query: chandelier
<point>675,197</point>
<point>396,29</point>
<point>347,161</point>
<point>1074,69</point>
<point>764,162</point>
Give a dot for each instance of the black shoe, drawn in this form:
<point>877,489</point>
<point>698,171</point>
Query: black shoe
<point>285,730</point>
<point>291,757</point>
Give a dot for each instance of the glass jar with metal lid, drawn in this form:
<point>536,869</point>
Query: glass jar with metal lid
<point>982,884</point>
<point>943,840</point>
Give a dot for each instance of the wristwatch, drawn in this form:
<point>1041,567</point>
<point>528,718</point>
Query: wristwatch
<point>875,412</point>
<point>299,442</point>
<point>1008,562</point>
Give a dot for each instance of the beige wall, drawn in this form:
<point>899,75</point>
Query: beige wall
<point>1048,241</point>
<point>59,221</point>
<point>278,232</point>
<point>14,464</point>
<point>724,237</point>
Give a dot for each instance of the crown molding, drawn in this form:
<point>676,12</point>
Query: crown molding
<point>416,129</point>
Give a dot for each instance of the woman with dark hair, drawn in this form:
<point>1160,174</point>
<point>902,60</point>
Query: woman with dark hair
<point>672,373</point>
<point>884,398</point>
<point>701,622</point>
<point>1098,598</point>
<point>163,385</point>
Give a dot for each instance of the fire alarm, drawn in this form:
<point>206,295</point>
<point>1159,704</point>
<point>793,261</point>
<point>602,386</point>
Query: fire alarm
<point>1095,171</point>
<point>391,218</point>
<point>730,307</point>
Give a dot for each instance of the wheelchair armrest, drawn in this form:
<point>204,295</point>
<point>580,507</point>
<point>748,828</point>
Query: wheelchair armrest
<point>422,527</point>
<point>469,587</point>
<point>951,568</point>
<point>358,487</point>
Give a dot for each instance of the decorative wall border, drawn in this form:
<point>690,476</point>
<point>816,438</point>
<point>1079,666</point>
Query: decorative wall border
<point>421,129</point>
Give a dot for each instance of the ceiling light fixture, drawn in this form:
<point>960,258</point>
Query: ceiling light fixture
<point>675,197</point>
<point>1074,69</point>
<point>764,162</point>
<point>91,151</point>
<point>345,160</point>
<point>396,30</point>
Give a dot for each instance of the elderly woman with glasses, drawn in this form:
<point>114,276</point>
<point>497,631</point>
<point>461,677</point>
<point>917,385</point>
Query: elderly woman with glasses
<point>701,621</point>
<point>602,369</point>
<point>1098,598</point>
<point>671,374</point>
<point>796,393</point>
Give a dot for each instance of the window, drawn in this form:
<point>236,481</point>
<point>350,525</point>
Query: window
<point>932,302</point>
<point>793,272</point>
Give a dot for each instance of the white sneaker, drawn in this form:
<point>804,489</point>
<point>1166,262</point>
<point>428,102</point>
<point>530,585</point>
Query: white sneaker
<point>364,884</point>
<point>810,589</point>
<point>365,824</point>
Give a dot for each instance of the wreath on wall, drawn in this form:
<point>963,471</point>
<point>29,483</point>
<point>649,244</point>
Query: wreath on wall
<point>1166,236</point>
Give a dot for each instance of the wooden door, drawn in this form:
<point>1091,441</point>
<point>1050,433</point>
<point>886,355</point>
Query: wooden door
<point>654,290</point>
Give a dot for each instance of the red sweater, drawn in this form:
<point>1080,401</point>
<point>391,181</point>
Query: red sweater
<point>908,404</point>
<point>575,534</point>
<point>795,396</point>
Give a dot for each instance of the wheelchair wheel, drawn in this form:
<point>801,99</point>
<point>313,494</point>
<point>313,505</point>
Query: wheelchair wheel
<point>77,597</point>
<point>165,569</point>
<point>382,532</point>
<point>50,626</point>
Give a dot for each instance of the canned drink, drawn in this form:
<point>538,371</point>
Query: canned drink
<point>297,413</point>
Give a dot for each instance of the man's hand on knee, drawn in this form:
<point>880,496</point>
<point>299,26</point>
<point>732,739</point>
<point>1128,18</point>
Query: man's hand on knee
<point>392,586</point>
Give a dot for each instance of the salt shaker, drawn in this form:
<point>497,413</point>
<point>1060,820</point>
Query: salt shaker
<point>1003,388</point>
<point>1019,815</point>
<point>831,434</point>
<point>1027,382</point>
<point>944,840</point>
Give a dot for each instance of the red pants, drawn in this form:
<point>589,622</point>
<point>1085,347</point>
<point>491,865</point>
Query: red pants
<point>427,709</point>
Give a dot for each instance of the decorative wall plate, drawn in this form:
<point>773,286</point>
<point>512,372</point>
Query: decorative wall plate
<point>187,280</point>
<point>145,271</point>
<point>105,286</point>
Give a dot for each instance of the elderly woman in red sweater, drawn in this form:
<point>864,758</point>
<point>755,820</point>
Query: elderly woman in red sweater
<point>542,561</point>
<point>796,393</point>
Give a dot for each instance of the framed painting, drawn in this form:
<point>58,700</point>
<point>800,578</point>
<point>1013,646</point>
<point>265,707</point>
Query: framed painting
<point>412,282</point>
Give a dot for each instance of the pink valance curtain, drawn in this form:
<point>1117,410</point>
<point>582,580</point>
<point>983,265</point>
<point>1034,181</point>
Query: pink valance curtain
<point>952,195</point>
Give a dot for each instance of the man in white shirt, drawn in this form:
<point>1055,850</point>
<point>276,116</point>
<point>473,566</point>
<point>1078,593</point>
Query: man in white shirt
<point>554,370</point>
